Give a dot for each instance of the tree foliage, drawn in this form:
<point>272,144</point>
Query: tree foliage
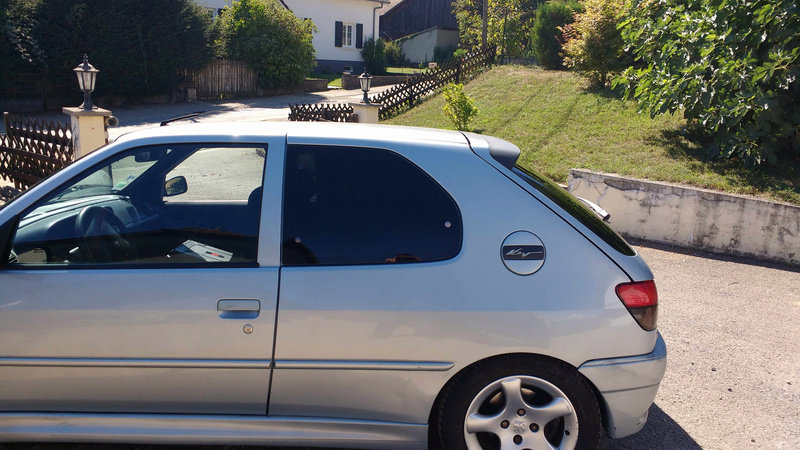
<point>505,27</point>
<point>731,65</point>
<point>458,107</point>
<point>394,54</point>
<point>139,47</point>
<point>270,39</point>
<point>593,45</point>
<point>374,55</point>
<point>546,36</point>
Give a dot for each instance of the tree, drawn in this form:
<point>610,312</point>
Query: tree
<point>731,66</point>
<point>593,45</point>
<point>270,39</point>
<point>139,46</point>
<point>546,36</point>
<point>506,29</point>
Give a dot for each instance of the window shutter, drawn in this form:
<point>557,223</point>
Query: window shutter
<point>337,39</point>
<point>359,35</point>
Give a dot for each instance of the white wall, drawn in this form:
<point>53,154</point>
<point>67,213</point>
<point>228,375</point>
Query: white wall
<point>420,47</point>
<point>214,4</point>
<point>325,14</point>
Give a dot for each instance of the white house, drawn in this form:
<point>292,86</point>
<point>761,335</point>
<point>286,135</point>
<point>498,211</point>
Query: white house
<point>342,28</point>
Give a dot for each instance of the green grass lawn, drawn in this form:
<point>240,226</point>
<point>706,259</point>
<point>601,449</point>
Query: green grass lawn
<point>334,79</point>
<point>560,125</point>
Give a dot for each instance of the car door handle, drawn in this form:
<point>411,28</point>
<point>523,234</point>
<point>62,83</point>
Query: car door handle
<point>238,308</point>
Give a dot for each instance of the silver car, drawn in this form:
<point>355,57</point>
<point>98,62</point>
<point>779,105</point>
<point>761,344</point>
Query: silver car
<point>323,285</point>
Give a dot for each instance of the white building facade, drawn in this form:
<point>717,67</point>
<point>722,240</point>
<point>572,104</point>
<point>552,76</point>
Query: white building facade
<point>342,28</point>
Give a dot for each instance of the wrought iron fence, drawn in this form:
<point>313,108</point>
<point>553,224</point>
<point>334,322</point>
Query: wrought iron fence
<point>405,95</point>
<point>33,149</point>
<point>322,112</point>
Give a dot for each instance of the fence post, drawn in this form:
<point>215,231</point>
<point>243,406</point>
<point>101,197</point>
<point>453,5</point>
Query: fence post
<point>88,129</point>
<point>366,113</point>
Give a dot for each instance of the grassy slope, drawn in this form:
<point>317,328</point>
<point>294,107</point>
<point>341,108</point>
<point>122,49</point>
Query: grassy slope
<point>559,126</point>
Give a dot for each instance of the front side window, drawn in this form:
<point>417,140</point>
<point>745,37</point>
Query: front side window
<point>178,204</point>
<point>347,205</point>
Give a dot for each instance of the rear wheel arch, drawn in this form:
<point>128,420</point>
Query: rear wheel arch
<point>550,369</point>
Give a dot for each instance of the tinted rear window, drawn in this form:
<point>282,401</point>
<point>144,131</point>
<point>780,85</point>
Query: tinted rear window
<point>348,205</point>
<point>575,208</point>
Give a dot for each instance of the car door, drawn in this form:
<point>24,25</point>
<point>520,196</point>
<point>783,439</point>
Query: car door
<point>112,302</point>
<point>369,242</point>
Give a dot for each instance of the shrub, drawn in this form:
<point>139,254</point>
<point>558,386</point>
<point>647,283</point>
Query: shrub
<point>394,54</point>
<point>443,54</point>
<point>270,39</point>
<point>593,45</point>
<point>139,47</point>
<point>458,107</point>
<point>374,54</point>
<point>546,36</point>
<point>730,66</point>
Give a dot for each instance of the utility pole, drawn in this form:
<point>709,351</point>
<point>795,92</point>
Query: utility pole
<point>485,23</point>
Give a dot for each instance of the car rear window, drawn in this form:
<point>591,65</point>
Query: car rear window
<point>574,208</point>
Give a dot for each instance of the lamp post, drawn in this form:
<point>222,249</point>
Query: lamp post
<point>88,122</point>
<point>366,81</point>
<point>87,75</point>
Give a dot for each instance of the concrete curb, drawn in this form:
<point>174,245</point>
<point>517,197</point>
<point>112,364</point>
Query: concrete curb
<point>694,218</point>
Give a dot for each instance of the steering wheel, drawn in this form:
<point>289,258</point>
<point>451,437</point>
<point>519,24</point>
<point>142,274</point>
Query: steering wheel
<point>102,237</point>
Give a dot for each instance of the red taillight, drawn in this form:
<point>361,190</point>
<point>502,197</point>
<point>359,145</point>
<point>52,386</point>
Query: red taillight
<point>641,299</point>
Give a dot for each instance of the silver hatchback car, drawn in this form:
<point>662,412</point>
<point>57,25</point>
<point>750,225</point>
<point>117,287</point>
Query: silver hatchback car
<point>319,284</point>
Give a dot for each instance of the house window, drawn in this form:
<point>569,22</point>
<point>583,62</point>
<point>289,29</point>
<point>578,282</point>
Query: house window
<point>349,35</point>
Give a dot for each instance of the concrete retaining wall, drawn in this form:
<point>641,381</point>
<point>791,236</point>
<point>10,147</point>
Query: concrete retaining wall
<point>694,218</point>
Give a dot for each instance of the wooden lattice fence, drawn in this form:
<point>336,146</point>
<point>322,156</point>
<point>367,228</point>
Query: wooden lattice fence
<point>322,112</point>
<point>405,95</point>
<point>33,149</point>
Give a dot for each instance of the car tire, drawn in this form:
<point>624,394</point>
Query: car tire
<point>551,406</point>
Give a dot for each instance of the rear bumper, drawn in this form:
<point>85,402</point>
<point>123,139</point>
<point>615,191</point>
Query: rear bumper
<point>628,386</point>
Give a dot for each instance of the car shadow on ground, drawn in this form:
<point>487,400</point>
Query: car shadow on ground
<point>659,433</point>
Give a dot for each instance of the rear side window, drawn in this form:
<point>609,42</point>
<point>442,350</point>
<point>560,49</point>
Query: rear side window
<point>350,205</point>
<point>574,207</point>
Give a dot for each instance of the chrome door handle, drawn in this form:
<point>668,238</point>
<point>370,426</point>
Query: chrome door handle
<point>238,305</point>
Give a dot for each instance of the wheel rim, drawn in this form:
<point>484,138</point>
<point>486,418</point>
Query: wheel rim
<point>521,412</point>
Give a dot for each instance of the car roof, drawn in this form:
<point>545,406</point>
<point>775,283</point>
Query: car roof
<point>299,132</point>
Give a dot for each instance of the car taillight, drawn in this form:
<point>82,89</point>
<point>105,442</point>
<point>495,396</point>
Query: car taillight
<point>641,299</point>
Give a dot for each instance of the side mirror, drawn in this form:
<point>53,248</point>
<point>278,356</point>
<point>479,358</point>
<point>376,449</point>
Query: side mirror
<point>175,186</point>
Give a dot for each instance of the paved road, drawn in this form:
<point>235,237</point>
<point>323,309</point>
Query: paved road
<point>259,109</point>
<point>733,375</point>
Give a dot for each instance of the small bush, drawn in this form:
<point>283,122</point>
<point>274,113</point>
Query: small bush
<point>374,54</point>
<point>394,54</point>
<point>594,45</point>
<point>458,107</point>
<point>546,36</point>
